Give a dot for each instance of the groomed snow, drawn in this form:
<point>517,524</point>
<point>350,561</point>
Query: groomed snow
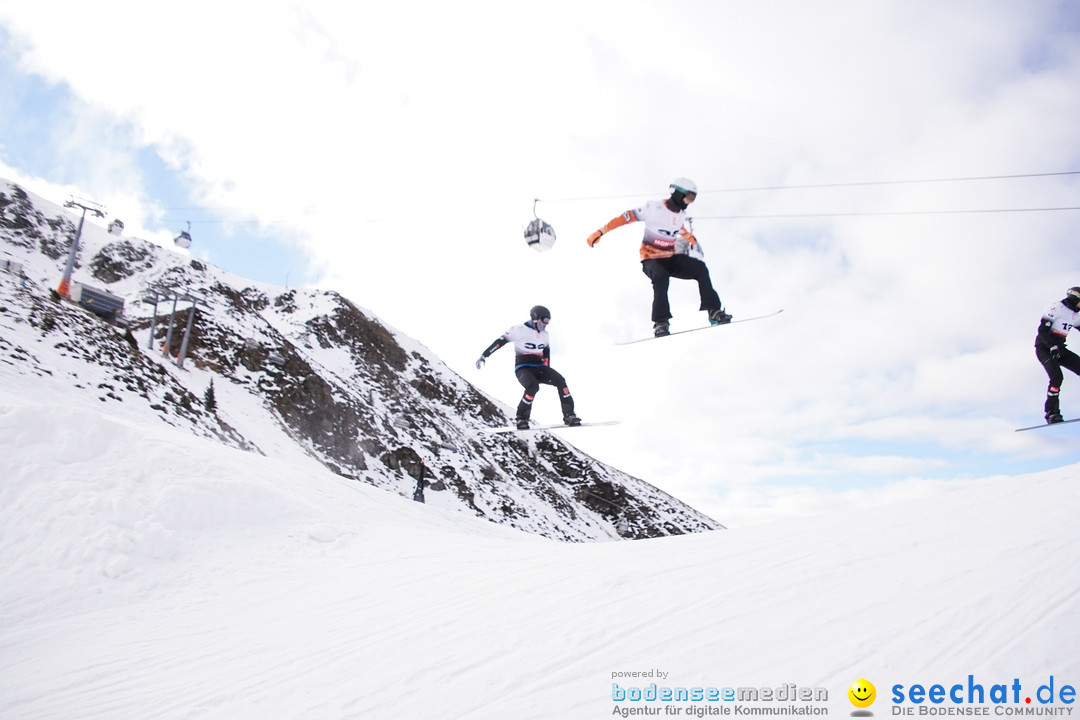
<point>147,573</point>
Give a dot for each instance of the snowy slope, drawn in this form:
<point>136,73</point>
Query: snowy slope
<point>157,560</point>
<point>146,572</point>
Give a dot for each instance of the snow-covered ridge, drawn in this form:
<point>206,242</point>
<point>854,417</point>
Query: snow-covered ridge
<point>295,373</point>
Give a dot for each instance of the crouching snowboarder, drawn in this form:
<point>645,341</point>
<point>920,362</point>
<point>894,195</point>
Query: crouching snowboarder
<point>669,250</point>
<point>1050,348</point>
<point>532,357</point>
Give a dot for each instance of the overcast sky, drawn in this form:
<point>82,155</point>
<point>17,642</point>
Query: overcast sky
<point>393,152</point>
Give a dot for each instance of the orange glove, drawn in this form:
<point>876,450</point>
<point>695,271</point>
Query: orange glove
<point>594,238</point>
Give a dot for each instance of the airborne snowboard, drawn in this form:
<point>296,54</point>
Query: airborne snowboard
<point>1035,427</point>
<point>557,426</point>
<point>707,327</point>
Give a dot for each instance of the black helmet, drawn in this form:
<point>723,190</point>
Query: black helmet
<point>1072,298</point>
<point>539,312</point>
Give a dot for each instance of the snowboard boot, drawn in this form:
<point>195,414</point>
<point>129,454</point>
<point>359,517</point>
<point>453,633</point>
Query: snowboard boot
<point>660,329</point>
<point>523,423</point>
<point>719,317</point>
<point>572,420</point>
<point>1052,407</point>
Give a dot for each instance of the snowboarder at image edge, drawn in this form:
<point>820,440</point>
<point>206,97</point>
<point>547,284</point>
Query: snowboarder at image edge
<point>1050,348</point>
<point>532,359</point>
<point>669,249</point>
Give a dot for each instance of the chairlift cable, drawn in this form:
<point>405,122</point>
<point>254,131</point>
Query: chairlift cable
<point>883,213</point>
<point>810,186</point>
<point>896,182</point>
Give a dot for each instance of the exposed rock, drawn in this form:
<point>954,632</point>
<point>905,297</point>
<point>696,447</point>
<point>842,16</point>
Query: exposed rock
<point>368,403</point>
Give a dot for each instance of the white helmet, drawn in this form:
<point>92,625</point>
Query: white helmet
<point>684,185</point>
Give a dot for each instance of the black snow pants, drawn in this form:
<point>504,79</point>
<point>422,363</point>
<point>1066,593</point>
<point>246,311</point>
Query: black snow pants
<point>1068,360</point>
<point>684,267</point>
<point>530,377</point>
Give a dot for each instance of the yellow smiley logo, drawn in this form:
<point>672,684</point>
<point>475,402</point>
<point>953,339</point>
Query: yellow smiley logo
<point>862,693</point>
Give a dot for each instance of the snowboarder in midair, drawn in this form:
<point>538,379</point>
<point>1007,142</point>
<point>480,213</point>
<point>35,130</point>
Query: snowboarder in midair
<point>532,357</point>
<point>669,249</point>
<point>1050,348</point>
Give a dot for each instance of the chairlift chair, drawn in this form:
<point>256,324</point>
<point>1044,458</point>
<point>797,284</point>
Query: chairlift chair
<point>183,240</point>
<point>538,234</point>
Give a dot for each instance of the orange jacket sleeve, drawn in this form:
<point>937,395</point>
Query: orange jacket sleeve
<point>618,221</point>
